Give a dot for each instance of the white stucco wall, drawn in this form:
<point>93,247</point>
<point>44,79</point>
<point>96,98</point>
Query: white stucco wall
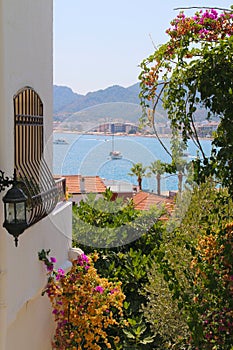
<point>29,317</point>
<point>26,60</point>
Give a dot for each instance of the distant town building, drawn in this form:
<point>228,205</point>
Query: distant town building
<point>206,129</point>
<point>163,128</point>
<point>115,128</point>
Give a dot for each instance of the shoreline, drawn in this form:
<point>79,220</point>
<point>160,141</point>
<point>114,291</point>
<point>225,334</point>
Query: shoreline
<point>62,131</point>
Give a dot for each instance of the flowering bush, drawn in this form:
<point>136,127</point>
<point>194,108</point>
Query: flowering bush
<point>192,73</point>
<point>190,285</point>
<point>213,268</point>
<point>85,306</point>
<point>205,27</point>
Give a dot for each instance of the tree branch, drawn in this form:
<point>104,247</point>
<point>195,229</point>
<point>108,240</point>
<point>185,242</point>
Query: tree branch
<point>197,138</point>
<point>155,47</point>
<point>158,97</point>
<point>160,141</point>
<point>202,7</point>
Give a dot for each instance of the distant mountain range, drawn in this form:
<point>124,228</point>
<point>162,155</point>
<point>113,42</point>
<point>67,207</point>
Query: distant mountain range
<point>115,103</point>
<point>112,103</point>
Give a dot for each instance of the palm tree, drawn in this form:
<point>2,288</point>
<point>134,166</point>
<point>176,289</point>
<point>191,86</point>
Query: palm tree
<point>157,168</point>
<point>179,148</point>
<point>138,170</point>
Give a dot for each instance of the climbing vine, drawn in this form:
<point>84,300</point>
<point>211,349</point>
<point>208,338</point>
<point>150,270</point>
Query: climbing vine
<point>193,71</point>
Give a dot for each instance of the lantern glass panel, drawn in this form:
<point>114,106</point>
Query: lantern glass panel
<point>10,212</point>
<point>20,210</point>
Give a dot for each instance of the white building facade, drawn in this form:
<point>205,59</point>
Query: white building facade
<point>26,60</point>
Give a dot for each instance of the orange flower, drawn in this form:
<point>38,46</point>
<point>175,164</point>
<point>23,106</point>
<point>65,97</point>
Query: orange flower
<point>82,303</point>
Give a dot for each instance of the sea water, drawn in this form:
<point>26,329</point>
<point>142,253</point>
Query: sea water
<point>89,155</point>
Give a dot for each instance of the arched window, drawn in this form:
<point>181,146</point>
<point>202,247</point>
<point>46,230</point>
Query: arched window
<point>30,165</point>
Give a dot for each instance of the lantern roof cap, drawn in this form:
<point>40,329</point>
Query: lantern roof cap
<point>14,195</point>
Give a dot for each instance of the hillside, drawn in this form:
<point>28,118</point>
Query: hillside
<point>65,100</point>
<point>112,103</point>
<point>115,103</point>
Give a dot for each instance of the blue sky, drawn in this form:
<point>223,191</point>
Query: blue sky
<point>101,43</point>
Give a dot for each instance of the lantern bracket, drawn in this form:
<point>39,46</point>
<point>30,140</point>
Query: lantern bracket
<point>5,181</point>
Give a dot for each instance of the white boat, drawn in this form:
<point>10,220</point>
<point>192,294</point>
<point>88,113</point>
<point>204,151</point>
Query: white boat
<point>114,154</point>
<point>60,142</point>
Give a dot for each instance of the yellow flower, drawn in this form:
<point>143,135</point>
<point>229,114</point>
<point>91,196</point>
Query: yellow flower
<point>86,311</point>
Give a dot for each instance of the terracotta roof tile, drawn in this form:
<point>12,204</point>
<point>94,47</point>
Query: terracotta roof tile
<point>84,184</point>
<point>144,201</point>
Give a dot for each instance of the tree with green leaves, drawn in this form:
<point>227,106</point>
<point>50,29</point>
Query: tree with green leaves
<point>190,282</point>
<point>126,241</point>
<point>157,168</point>
<point>140,171</point>
<point>194,70</point>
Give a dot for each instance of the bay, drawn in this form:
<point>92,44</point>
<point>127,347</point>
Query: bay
<point>87,154</point>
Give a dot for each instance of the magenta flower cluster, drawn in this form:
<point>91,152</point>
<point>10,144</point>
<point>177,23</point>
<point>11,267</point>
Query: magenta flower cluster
<point>60,273</point>
<point>49,263</point>
<point>99,289</point>
<point>208,24</point>
<point>208,14</point>
<point>83,260</point>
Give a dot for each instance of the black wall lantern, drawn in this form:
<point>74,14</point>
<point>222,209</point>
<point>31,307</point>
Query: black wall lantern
<point>14,207</point>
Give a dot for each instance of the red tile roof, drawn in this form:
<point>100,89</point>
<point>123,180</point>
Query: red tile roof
<point>84,184</point>
<point>144,201</point>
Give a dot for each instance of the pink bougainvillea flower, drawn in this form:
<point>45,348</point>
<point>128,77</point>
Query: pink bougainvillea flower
<point>60,273</point>
<point>82,259</point>
<point>99,289</point>
<point>49,267</point>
